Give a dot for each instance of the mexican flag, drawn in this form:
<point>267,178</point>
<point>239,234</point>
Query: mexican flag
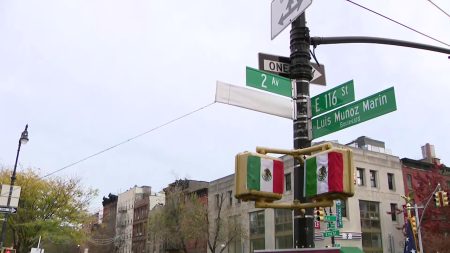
<point>324,173</point>
<point>265,175</point>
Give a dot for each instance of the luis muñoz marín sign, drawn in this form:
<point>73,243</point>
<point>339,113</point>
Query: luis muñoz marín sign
<point>362,110</point>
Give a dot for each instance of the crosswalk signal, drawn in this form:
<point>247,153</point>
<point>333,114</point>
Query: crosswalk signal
<point>320,214</point>
<point>438,199</point>
<point>413,224</point>
<point>444,196</point>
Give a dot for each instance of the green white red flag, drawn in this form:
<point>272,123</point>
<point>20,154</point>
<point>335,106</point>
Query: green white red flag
<point>324,173</point>
<point>265,175</point>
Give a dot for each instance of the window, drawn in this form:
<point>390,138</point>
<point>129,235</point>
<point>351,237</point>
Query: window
<point>373,178</point>
<point>391,184</point>
<point>217,198</point>
<point>409,181</point>
<point>283,229</point>
<point>287,180</point>
<point>394,212</point>
<point>230,198</point>
<point>360,176</point>
<point>370,226</point>
<point>257,230</point>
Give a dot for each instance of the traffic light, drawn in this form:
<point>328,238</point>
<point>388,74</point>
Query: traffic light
<point>413,224</point>
<point>438,199</point>
<point>444,198</point>
<point>7,250</point>
<point>320,214</point>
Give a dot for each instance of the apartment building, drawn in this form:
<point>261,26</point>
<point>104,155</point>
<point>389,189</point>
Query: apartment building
<point>142,205</point>
<point>371,220</point>
<point>125,217</point>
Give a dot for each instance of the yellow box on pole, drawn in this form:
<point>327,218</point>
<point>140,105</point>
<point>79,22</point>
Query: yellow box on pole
<point>259,177</point>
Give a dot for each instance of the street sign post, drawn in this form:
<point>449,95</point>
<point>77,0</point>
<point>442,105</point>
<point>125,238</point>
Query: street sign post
<point>333,98</point>
<point>284,12</point>
<point>4,209</point>
<point>268,82</point>
<point>280,65</point>
<point>362,110</point>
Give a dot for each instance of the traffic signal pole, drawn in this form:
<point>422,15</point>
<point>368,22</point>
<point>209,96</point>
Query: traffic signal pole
<point>301,72</point>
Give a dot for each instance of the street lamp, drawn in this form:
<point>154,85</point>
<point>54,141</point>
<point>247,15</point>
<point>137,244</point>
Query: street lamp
<point>23,140</point>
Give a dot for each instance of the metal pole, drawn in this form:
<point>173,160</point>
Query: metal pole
<point>419,234</point>
<point>376,40</point>
<point>301,71</point>
<point>11,187</point>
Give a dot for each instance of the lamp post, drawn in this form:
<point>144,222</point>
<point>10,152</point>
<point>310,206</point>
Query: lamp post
<point>23,140</point>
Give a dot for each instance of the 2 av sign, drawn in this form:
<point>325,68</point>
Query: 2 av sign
<point>268,82</point>
<point>362,110</point>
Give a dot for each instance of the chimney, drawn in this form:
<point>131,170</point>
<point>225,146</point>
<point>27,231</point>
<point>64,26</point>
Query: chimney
<point>428,153</point>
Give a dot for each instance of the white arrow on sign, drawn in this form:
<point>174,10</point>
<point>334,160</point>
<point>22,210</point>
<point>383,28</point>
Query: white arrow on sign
<point>284,12</point>
<point>8,209</point>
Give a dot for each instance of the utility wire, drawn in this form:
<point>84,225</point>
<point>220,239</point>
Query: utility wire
<point>397,22</point>
<point>121,143</point>
<point>448,15</point>
<point>128,140</point>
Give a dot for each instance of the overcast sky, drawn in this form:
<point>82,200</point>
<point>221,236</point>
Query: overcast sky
<point>86,75</point>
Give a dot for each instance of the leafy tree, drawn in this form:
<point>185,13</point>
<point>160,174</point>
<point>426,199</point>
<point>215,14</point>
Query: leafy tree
<point>53,208</point>
<point>435,224</point>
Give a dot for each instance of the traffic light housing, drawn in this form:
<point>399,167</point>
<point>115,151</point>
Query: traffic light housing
<point>320,214</point>
<point>413,224</point>
<point>444,197</point>
<point>438,199</point>
<point>8,250</point>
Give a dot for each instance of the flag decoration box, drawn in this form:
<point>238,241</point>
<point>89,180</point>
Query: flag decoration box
<point>258,177</point>
<point>329,175</point>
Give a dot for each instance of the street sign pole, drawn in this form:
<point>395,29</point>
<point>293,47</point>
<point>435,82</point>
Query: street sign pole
<point>301,71</point>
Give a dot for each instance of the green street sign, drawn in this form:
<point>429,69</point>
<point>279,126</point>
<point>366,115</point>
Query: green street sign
<point>330,233</point>
<point>362,110</point>
<point>269,82</point>
<point>332,99</point>
<point>331,225</point>
<point>329,218</point>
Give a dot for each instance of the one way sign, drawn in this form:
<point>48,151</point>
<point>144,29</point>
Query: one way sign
<point>284,12</point>
<point>8,210</point>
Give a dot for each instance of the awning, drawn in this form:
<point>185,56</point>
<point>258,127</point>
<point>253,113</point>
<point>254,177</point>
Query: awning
<point>351,250</point>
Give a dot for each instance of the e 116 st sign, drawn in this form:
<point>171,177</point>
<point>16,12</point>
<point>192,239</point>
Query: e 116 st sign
<point>333,98</point>
<point>362,110</point>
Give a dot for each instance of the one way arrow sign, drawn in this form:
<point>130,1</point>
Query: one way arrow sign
<point>284,12</point>
<point>8,210</point>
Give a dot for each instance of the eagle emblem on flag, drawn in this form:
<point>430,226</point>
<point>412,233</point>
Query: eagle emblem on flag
<point>322,175</point>
<point>267,175</point>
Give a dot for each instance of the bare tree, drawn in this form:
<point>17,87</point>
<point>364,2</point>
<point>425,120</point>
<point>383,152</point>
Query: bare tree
<point>223,229</point>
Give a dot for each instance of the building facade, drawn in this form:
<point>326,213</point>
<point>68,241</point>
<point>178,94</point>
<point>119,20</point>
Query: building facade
<point>421,178</point>
<point>371,219</point>
<point>125,217</point>
<point>142,205</point>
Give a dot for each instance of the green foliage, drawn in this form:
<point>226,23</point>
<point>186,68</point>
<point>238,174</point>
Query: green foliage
<point>53,208</point>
